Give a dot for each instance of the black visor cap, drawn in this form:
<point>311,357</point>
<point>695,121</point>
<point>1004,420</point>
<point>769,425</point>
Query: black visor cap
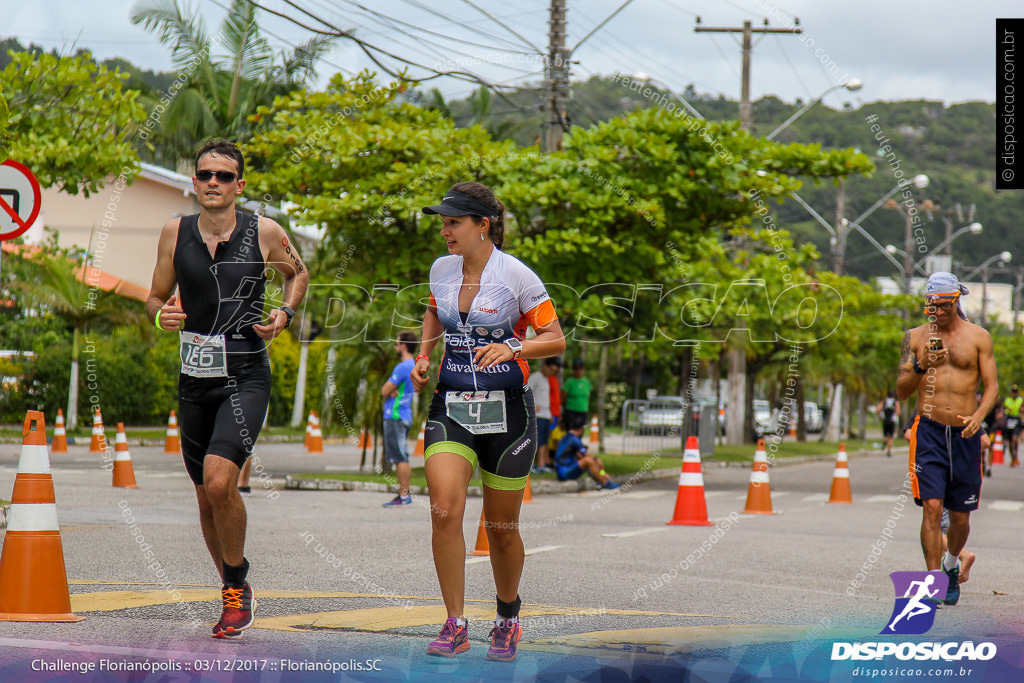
<point>458,204</point>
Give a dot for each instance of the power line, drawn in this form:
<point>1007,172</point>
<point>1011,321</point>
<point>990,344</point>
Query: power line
<point>390,21</point>
<point>504,26</point>
<point>368,49</point>
<point>461,24</point>
<point>785,54</point>
<point>644,59</point>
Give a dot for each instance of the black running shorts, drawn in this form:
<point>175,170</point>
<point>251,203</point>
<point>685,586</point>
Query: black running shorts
<point>223,416</point>
<point>504,458</point>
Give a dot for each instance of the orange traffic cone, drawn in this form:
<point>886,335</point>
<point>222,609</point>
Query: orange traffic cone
<point>309,430</point>
<point>792,429</point>
<point>997,450</point>
<point>595,430</point>
<point>60,436</point>
<point>33,580</point>
<point>528,493</point>
<point>316,439</point>
<point>841,479</point>
<point>421,442</point>
<point>124,474</point>
<point>365,439</point>
<point>691,507</point>
<point>98,443</point>
<point>482,546</point>
<point>759,494</point>
<point>172,444</point>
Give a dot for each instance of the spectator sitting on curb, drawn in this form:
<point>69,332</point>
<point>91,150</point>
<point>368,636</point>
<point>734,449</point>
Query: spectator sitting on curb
<point>571,458</point>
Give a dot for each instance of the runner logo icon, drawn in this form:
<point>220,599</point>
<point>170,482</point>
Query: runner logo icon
<point>917,596</point>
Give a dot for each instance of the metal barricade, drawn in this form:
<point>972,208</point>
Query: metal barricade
<point>663,425</point>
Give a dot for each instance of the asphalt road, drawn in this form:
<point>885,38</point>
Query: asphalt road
<point>610,592</point>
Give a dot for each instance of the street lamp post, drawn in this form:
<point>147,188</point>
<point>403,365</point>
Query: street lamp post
<point>920,182</point>
<point>1003,257</point>
<point>644,78</point>
<point>973,228</point>
<point>896,251</point>
<point>852,85</point>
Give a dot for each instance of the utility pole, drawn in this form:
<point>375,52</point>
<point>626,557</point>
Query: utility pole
<point>748,32</point>
<point>556,78</point>
<point>739,421</point>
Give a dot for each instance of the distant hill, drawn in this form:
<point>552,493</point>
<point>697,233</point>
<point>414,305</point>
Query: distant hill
<point>954,146</point>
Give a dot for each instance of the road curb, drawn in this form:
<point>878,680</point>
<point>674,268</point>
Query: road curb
<point>539,486</point>
<point>546,486</point>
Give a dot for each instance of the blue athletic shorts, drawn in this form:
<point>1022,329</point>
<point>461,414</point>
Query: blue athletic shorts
<point>543,431</point>
<point>567,472</point>
<point>945,465</point>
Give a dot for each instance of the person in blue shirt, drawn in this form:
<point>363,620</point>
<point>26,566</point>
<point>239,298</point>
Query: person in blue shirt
<point>398,393</point>
<point>571,458</point>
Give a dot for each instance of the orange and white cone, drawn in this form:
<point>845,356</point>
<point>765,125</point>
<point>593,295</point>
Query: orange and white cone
<point>309,430</point>
<point>841,479</point>
<point>316,438</point>
<point>98,443</point>
<point>33,580</point>
<point>759,494</point>
<point>483,548</point>
<point>60,435</point>
<point>172,444</point>
<point>595,430</point>
<point>997,450</point>
<point>792,429</point>
<point>527,492</point>
<point>124,474</point>
<point>365,439</point>
<point>421,442</point>
<point>691,506</point>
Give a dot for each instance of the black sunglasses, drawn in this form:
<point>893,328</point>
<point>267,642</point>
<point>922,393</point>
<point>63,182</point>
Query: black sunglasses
<point>222,176</point>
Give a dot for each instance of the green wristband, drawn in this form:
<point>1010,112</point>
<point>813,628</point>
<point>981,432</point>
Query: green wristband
<point>156,321</point>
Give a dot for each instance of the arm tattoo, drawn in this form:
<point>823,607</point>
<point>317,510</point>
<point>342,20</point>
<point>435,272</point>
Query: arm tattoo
<point>906,355</point>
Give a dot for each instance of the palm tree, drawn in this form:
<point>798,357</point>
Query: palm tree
<point>217,93</point>
<point>62,286</point>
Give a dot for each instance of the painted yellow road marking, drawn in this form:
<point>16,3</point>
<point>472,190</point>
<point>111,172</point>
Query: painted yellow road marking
<point>106,601</point>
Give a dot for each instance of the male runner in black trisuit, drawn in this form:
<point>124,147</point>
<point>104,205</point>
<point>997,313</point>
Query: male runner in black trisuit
<point>217,259</point>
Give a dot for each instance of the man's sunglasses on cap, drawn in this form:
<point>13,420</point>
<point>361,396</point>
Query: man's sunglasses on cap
<point>222,176</point>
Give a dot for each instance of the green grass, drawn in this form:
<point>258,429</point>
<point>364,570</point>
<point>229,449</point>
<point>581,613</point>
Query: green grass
<point>619,464</point>
<point>787,449</point>
<point>418,477</point>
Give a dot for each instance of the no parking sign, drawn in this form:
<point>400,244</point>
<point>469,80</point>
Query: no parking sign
<point>20,198</point>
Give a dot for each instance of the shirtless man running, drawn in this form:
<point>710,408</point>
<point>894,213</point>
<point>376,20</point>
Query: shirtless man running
<point>943,360</point>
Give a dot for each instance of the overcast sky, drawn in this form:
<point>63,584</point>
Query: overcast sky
<point>910,49</point>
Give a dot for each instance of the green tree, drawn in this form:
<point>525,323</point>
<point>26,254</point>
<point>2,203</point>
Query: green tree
<point>219,92</point>
<point>68,119</point>
<point>62,285</point>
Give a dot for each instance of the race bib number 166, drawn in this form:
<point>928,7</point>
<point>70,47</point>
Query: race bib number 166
<point>203,356</point>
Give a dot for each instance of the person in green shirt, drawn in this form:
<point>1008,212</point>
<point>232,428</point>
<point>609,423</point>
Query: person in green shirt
<point>1011,404</point>
<point>576,396</point>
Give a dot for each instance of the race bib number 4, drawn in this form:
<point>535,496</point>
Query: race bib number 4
<point>203,356</point>
<point>481,412</point>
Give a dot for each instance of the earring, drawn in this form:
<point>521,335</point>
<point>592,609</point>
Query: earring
<point>481,237</point>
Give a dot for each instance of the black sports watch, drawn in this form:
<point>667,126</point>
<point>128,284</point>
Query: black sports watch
<point>917,368</point>
<point>288,311</point>
<point>516,346</point>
